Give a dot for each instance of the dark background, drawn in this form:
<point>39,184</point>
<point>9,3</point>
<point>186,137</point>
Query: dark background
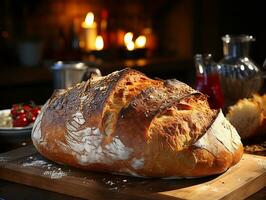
<point>182,28</point>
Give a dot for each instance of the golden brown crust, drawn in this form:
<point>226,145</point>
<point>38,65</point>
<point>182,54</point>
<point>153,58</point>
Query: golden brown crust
<point>128,123</point>
<point>144,107</point>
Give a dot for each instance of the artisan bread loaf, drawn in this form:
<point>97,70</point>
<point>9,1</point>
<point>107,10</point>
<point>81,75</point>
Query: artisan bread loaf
<point>130,124</point>
<point>248,116</point>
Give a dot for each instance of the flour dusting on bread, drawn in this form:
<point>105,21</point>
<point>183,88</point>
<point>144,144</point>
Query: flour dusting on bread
<point>137,163</point>
<point>222,130</point>
<point>88,143</point>
<point>36,130</point>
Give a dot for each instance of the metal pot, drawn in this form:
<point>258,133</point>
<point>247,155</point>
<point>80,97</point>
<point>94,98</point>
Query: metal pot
<point>68,74</point>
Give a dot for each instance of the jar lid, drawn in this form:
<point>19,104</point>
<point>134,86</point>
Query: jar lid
<point>238,38</point>
<point>59,65</point>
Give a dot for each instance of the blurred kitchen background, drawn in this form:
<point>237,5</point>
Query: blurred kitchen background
<point>157,37</point>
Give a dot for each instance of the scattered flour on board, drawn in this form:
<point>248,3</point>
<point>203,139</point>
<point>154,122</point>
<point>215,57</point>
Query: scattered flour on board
<point>50,170</point>
<point>110,183</point>
<point>3,159</point>
<point>55,174</point>
<point>209,188</point>
<point>35,163</point>
<point>262,163</point>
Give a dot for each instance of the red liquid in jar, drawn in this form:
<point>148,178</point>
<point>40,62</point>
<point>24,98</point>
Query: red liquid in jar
<point>210,85</point>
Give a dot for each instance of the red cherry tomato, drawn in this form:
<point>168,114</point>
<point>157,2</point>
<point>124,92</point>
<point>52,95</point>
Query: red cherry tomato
<point>20,121</point>
<point>17,109</point>
<point>27,108</point>
<point>35,111</point>
<point>24,114</point>
<point>31,117</point>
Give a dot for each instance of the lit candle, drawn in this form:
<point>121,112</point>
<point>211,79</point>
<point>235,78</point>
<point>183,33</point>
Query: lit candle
<point>128,40</point>
<point>99,43</point>
<point>130,46</point>
<point>140,42</point>
<point>90,28</point>
<point>128,37</point>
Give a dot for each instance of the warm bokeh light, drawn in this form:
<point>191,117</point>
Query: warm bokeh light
<point>99,43</point>
<point>90,32</point>
<point>128,40</point>
<point>128,37</point>
<point>88,20</point>
<point>130,46</point>
<point>140,41</point>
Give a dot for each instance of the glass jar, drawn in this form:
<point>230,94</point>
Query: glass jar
<point>240,77</point>
<point>263,90</point>
<point>208,81</point>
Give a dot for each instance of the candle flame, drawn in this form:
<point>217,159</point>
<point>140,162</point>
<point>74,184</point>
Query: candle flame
<point>130,46</point>
<point>89,19</point>
<point>128,37</point>
<point>140,41</point>
<point>99,43</point>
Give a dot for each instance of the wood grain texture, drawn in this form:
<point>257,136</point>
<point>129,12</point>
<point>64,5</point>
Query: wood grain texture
<point>27,167</point>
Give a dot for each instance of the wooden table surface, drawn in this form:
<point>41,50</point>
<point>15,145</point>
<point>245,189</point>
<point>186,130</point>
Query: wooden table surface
<point>11,190</point>
<point>14,191</point>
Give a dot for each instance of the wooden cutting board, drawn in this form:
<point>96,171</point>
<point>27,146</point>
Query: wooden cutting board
<point>27,167</point>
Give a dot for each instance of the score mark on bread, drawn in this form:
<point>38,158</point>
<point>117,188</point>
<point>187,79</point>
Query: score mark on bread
<point>128,123</point>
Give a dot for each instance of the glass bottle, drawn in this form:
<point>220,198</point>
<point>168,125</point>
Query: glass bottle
<point>208,81</point>
<point>240,77</point>
<point>263,90</point>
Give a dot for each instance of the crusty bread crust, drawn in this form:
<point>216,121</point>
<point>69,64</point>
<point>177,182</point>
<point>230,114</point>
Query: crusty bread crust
<point>127,123</point>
